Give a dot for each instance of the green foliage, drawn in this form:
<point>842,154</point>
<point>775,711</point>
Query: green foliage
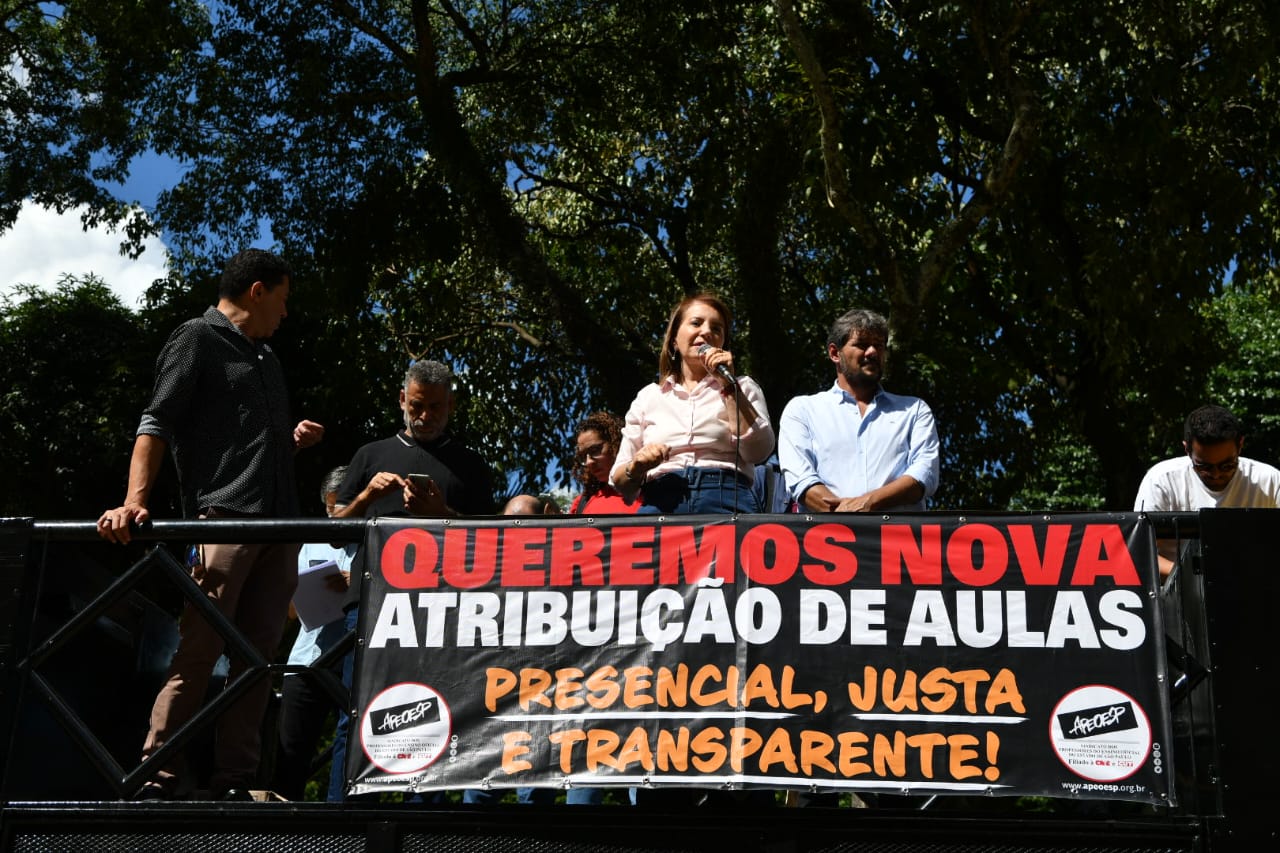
<point>75,367</point>
<point>1044,198</point>
<point>74,79</point>
<point>1247,318</point>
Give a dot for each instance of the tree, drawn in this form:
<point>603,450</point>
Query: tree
<point>1042,198</point>
<point>75,367</point>
<point>1073,202</point>
<point>74,79</point>
<point>1247,319</point>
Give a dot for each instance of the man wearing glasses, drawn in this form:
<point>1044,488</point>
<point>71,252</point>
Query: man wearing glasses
<point>1212,474</point>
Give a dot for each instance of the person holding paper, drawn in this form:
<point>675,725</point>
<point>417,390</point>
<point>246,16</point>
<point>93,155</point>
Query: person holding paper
<point>304,707</point>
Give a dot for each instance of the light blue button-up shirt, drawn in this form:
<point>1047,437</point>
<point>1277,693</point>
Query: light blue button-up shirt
<point>823,438</point>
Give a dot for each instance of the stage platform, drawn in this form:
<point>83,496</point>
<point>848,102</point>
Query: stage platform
<point>74,648</point>
<point>101,827</point>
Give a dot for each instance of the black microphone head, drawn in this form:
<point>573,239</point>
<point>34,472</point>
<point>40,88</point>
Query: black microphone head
<point>720,368</point>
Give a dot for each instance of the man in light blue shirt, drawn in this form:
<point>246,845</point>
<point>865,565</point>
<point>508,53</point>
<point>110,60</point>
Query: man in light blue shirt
<point>855,447</point>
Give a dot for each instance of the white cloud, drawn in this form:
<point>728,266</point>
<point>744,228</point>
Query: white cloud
<point>44,245</point>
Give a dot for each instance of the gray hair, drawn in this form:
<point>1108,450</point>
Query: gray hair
<point>428,372</point>
<point>332,482</point>
<point>857,320</point>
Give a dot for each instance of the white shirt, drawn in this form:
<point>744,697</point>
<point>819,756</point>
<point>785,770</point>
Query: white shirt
<point>313,642</point>
<point>1173,486</point>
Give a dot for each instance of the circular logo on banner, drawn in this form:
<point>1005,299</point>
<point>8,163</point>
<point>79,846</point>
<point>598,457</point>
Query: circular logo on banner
<point>405,728</point>
<point>1100,733</point>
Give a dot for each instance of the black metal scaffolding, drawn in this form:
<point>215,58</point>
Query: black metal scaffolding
<point>85,629</point>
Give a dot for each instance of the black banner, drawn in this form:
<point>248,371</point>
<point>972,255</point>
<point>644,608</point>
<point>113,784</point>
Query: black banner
<point>999,655</point>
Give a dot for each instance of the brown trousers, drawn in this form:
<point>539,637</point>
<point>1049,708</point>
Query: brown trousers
<point>252,586</point>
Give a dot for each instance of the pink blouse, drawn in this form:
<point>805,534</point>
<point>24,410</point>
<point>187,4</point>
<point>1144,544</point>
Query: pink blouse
<point>697,427</point>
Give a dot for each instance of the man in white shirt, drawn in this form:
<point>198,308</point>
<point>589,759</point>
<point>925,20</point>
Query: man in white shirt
<point>855,447</point>
<point>1212,474</point>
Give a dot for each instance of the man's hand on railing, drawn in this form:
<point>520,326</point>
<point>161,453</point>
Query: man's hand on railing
<point>115,525</point>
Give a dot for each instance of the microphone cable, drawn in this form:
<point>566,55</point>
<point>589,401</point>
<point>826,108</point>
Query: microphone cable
<point>739,402</point>
<point>737,450</point>
<point>738,397</point>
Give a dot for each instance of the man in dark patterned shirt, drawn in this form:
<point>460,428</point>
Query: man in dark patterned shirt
<point>221,407</point>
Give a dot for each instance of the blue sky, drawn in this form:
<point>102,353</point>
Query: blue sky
<point>44,245</point>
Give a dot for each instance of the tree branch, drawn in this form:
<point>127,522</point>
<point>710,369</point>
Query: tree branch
<point>527,336</point>
<point>1019,141</point>
<point>464,26</point>
<point>835,165</point>
<point>352,15</point>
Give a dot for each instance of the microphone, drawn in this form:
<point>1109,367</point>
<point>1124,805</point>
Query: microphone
<point>744,405</point>
<point>721,370</point>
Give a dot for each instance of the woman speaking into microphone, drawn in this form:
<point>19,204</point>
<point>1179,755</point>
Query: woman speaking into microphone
<point>691,440</point>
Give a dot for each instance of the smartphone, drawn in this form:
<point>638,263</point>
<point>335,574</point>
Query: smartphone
<point>422,481</point>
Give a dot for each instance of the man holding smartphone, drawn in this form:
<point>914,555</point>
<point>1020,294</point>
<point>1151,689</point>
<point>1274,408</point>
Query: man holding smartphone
<point>422,471</point>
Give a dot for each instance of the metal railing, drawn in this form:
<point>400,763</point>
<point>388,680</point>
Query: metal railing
<point>29,647</point>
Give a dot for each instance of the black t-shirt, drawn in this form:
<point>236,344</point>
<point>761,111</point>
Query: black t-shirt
<point>461,475</point>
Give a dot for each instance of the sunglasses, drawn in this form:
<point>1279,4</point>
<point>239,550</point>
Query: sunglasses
<point>1224,467</point>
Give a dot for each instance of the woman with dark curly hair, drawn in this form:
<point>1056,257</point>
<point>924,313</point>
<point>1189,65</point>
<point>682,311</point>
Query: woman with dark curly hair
<point>596,443</point>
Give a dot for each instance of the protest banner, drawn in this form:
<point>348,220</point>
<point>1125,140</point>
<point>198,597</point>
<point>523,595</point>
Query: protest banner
<point>926,654</point>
